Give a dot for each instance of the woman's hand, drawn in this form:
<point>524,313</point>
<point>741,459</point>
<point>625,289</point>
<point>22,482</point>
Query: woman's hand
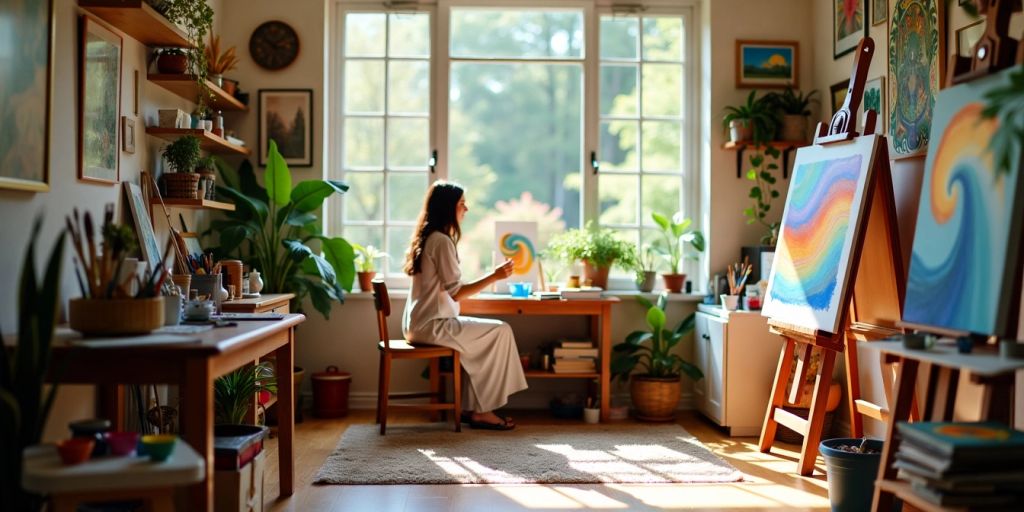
<point>503,271</point>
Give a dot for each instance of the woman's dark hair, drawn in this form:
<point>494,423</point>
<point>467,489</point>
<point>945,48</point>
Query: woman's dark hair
<point>438,214</point>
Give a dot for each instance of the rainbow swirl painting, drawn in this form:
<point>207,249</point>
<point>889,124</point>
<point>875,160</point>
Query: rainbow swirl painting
<point>519,249</point>
<point>962,263</point>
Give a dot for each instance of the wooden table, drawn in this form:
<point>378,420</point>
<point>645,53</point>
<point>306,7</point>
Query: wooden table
<point>983,365</point>
<point>193,367</point>
<point>266,303</point>
<point>599,311</point>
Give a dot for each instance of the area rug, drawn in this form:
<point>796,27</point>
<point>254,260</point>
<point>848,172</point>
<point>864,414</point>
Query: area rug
<point>530,454</point>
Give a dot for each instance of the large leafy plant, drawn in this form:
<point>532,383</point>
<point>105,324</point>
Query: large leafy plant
<point>792,102</point>
<point>271,227</point>
<point>233,393</point>
<point>1005,104</point>
<point>758,113</point>
<point>23,404</point>
<point>652,350</point>
<point>675,236</point>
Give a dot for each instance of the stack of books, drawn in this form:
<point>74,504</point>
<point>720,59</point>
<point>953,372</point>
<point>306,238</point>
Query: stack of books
<point>962,464</point>
<point>575,357</point>
<point>586,293</point>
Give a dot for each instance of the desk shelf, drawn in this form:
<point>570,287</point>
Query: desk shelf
<point>137,19</point>
<point>186,87</point>
<point>542,374</point>
<point>193,204</point>
<point>786,146</point>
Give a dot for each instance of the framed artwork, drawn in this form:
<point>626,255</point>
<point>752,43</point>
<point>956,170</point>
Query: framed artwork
<point>128,134</point>
<point>515,241</point>
<point>849,25</point>
<point>824,210</point>
<point>767,64</point>
<point>98,103</point>
<point>26,88</point>
<point>880,11</point>
<point>969,36</point>
<point>286,115</point>
<point>874,99</point>
<point>966,244</point>
<point>143,225</point>
<point>916,55</point>
<point>838,93</point>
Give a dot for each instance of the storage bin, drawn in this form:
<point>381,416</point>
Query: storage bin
<point>240,489</point>
<point>330,393</point>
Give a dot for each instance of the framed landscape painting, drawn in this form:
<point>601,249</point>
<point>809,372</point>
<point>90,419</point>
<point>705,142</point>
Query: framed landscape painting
<point>838,92</point>
<point>286,116</point>
<point>99,113</point>
<point>849,25</point>
<point>767,64</point>
<point>26,88</point>
<point>915,74</point>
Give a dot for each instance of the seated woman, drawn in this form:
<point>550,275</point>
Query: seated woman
<point>487,349</point>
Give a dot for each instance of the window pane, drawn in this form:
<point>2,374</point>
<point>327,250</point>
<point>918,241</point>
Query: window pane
<point>409,35</point>
<point>364,142</point>
<point>363,199</point>
<point>364,35</point>
<point>663,39</point>
<point>660,194</point>
<point>364,86</point>
<point>618,91</point>
<point>619,37</point>
<point>618,145</point>
<point>493,33</point>
<point>398,243</point>
<point>663,89</point>
<point>617,195</point>
<point>365,235</point>
<point>408,143</point>
<point>405,195</point>
<point>408,87</point>
<point>661,146</point>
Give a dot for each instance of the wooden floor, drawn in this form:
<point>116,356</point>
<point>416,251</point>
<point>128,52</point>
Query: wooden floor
<point>771,483</point>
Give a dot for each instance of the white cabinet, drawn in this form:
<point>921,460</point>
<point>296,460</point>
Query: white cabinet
<point>738,357</point>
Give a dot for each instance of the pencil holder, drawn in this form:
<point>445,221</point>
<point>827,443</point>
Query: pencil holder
<point>730,302</point>
<point>115,317</point>
<point>208,285</point>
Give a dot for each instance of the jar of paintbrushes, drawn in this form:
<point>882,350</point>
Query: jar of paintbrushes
<point>737,275</point>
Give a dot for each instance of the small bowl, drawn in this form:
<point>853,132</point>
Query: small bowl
<point>122,443</point>
<point>75,450</point>
<point>159,446</point>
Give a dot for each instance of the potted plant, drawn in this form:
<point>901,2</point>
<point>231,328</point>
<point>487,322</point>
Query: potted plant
<point>233,393</point>
<point>271,227</point>
<point>24,402</point>
<point>645,273</point>
<point>675,236</point>
<point>597,248</point>
<point>182,155</point>
<point>655,393</point>
<point>756,120</point>
<point>762,193</point>
<point>196,17</point>
<point>172,61</point>
<point>365,269</point>
<point>794,107</point>
<point>218,63</point>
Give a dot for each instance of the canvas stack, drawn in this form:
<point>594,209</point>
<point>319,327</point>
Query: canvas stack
<point>961,464</point>
<point>575,357</point>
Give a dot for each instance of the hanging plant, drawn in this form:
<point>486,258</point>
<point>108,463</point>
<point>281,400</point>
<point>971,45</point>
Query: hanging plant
<point>197,19</point>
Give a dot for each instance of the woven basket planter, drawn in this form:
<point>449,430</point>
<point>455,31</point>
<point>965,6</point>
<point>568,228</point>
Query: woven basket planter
<point>181,185</point>
<point>655,399</point>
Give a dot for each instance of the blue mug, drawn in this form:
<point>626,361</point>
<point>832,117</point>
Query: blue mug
<point>520,289</point>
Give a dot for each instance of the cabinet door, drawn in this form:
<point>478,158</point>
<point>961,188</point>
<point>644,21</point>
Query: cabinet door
<point>700,359</point>
<point>714,369</point>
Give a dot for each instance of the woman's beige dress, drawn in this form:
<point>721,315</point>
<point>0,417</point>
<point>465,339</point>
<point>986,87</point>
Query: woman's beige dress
<point>486,347</point>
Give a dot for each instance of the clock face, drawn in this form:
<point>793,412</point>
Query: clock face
<point>274,45</point>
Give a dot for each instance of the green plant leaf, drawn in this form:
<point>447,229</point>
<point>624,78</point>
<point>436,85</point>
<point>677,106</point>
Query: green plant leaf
<point>655,318</point>
<point>310,194</point>
<point>300,219</point>
<point>690,370</point>
<point>342,258</point>
<point>253,206</point>
<point>228,175</point>
<point>661,220</point>
<point>278,178</point>
<point>647,304</point>
<point>320,297</point>
<point>687,324</point>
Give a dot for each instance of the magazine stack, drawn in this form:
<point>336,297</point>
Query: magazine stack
<point>575,357</point>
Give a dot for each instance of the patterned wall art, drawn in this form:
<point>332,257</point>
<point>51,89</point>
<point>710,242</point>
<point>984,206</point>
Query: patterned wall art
<point>874,99</point>
<point>915,73</point>
<point>966,242</point>
<point>811,271</point>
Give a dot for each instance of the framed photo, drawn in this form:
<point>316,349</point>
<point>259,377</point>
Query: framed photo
<point>874,99</point>
<point>916,64</point>
<point>143,225</point>
<point>26,90</point>
<point>128,134</point>
<point>99,103</point>
<point>880,11</point>
<point>969,36</point>
<point>849,25</point>
<point>286,116</point>
<point>838,94</point>
<point>767,64</point>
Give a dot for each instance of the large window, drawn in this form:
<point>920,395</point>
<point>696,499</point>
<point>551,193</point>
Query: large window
<point>559,114</point>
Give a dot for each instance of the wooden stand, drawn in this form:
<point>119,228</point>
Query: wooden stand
<point>877,276</point>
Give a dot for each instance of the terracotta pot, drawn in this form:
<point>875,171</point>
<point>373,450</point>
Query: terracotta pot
<point>794,127</point>
<point>598,276</point>
<point>648,282</point>
<point>366,280</point>
<point>655,399</point>
<point>740,131</point>
<point>674,282</point>
<point>171,62</point>
<point>230,86</point>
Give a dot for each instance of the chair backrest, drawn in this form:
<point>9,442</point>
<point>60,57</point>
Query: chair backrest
<point>382,302</point>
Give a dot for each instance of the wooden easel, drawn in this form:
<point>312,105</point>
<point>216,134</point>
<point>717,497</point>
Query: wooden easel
<point>877,277</point>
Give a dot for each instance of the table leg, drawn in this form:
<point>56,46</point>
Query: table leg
<point>286,418</point>
<point>906,378</point>
<point>606,354</point>
<point>197,425</point>
<point>111,404</point>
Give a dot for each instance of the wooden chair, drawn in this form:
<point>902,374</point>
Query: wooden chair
<point>400,349</point>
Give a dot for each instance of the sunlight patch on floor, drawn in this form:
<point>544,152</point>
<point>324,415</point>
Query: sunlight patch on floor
<point>715,497</point>
<point>540,497</point>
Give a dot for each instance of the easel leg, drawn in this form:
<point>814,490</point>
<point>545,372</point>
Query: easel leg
<point>853,387</point>
<point>778,395</point>
<point>819,401</point>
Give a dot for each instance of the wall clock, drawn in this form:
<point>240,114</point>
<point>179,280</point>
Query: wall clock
<point>274,45</point>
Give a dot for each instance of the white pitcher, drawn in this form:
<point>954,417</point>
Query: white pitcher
<point>255,282</point>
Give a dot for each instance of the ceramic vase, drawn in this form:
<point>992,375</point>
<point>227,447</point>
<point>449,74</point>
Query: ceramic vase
<point>255,282</point>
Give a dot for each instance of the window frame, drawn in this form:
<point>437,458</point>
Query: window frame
<point>440,69</point>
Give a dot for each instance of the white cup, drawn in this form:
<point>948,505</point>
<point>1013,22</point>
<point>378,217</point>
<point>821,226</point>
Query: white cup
<point>730,302</point>
<point>591,415</point>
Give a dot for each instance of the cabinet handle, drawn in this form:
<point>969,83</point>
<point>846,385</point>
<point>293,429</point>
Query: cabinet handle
<point>705,336</point>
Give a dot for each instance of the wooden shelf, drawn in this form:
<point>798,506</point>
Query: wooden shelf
<point>138,20</point>
<point>787,147</point>
<point>543,374</point>
<point>207,140</point>
<point>194,204</point>
<point>186,87</point>
<point>905,492</point>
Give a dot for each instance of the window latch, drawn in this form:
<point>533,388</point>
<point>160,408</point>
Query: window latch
<point>433,161</point>
<point>594,164</point>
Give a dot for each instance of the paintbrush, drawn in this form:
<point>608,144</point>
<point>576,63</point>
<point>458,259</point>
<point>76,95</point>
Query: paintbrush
<point>78,277</point>
<point>90,239</point>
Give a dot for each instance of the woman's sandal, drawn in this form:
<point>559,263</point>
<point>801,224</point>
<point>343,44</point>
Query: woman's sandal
<point>506,424</point>
<point>467,417</point>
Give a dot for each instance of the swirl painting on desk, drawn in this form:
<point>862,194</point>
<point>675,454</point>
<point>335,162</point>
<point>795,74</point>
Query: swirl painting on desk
<point>811,271</point>
<point>515,241</point>
<point>963,264</point>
